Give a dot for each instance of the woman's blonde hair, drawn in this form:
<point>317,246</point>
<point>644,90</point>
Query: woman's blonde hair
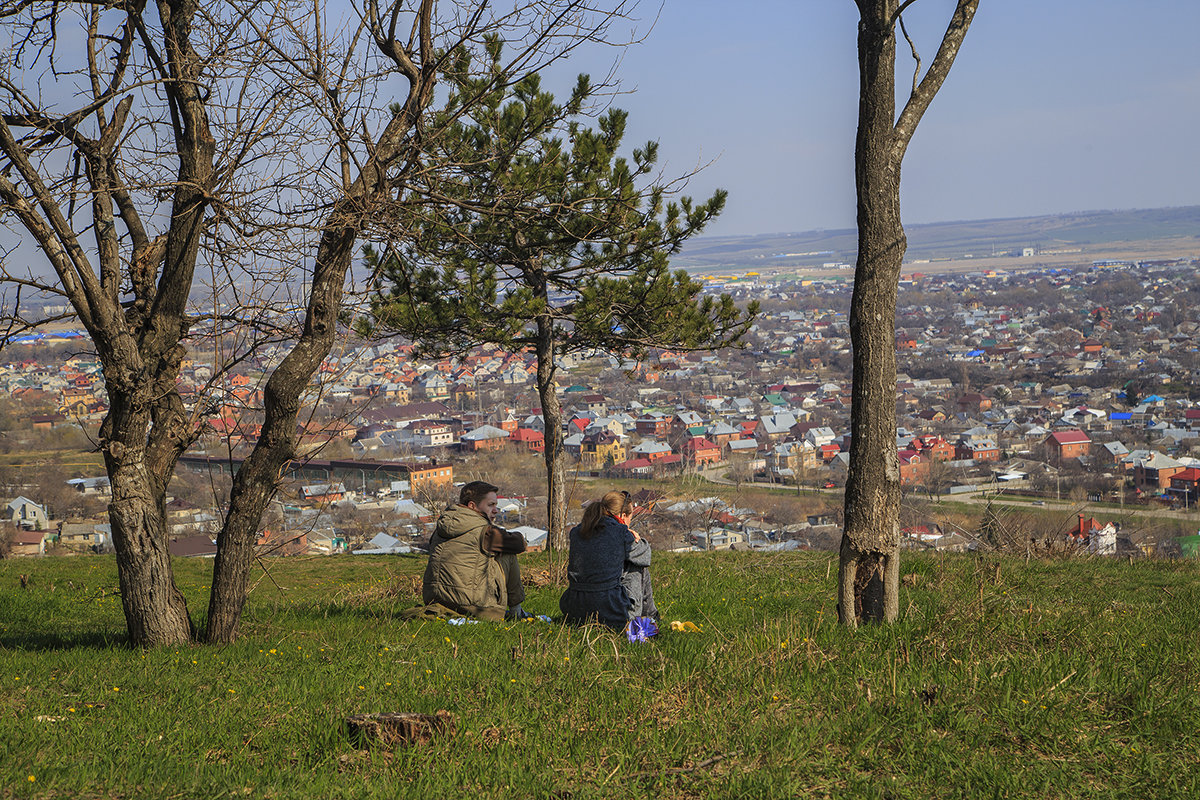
<point>612,503</point>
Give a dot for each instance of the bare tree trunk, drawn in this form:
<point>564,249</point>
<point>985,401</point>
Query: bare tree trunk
<point>155,610</point>
<point>145,429</point>
<point>552,417</point>
<point>257,480</point>
<point>869,566</point>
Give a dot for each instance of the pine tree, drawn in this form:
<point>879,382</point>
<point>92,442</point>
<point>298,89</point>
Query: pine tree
<point>528,230</point>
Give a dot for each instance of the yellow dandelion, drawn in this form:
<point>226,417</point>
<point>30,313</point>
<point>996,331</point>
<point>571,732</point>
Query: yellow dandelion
<point>32,779</point>
<point>116,688</point>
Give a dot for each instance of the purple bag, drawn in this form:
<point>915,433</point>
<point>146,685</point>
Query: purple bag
<point>641,628</point>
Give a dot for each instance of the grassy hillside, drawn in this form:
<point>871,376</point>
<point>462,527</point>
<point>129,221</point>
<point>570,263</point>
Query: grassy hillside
<point>1003,679</point>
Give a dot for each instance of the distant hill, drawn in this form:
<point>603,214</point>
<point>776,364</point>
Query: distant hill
<point>979,238</point>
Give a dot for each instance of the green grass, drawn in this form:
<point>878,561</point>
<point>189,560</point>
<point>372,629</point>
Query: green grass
<point>1052,679</point>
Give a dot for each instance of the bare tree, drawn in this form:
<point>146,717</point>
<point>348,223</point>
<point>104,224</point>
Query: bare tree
<point>869,568</point>
<point>177,156</point>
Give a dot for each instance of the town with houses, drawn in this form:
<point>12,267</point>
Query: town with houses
<point>1075,390</point>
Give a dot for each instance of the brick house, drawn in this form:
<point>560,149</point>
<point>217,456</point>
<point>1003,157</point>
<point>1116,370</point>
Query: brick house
<point>1064,445</point>
<point>700,451</point>
<point>529,439</point>
<point>913,467</point>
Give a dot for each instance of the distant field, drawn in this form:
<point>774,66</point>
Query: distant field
<point>1050,679</point>
<point>1138,234</point>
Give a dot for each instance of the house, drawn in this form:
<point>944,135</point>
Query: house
<point>774,427</point>
<point>529,439</point>
<point>913,467</point>
<point>433,386</point>
<point>1064,445</point>
<point>651,450</point>
<point>28,543</point>
<point>1185,485</point>
<point>741,448</point>
<point>323,492</point>
<point>89,534</point>
<point>484,438</point>
<point>721,433</point>
<point>974,403</point>
<point>632,468</point>
<point>201,545</point>
<point>791,458</point>
<point>1113,452</point>
<point>431,475</point>
<point>699,451</point>
<point>1098,539</point>
<point>977,450</point>
<point>91,486</point>
<point>933,448</point>
<point>668,464</point>
<point>684,425</point>
<point>27,515</point>
<point>1153,472</point>
<point>601,448</point>
<point>594,403</point>
<point>427,433</point>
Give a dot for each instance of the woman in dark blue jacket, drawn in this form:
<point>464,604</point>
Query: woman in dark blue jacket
<point>607,572</point>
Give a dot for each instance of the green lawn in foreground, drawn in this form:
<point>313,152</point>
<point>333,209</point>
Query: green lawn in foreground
<point>1054,679</point>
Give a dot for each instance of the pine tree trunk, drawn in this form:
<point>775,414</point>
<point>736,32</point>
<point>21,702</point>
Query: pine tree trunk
<point>868,573</point>
<point>552,417</point>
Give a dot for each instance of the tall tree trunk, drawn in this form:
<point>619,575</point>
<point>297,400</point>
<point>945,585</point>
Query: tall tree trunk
<point>869,565</point>
<point>870,542</point>
<point>552,416</point>
<point>155,610</point>
<point>146,428</point>
<point>257,479</point>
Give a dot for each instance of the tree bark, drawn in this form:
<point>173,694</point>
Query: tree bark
<point>257,480</point>
<point>869,566</point>
<point>140,352</point>
<point>552,417</point>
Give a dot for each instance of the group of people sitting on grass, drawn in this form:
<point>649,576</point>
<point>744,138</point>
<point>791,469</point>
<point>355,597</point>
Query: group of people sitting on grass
<point>473,568</point>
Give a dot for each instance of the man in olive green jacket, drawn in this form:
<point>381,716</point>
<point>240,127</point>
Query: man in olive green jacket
<point>462,575</point>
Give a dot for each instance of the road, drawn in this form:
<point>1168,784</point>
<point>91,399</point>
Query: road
<point>1104,510</point>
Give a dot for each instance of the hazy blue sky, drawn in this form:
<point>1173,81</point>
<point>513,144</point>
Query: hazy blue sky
<point>1052,106</point>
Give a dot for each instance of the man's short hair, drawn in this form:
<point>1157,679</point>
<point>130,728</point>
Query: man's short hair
<point>475,491</point>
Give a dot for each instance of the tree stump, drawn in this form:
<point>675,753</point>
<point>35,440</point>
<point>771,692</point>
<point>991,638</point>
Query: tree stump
<point>399,727</point>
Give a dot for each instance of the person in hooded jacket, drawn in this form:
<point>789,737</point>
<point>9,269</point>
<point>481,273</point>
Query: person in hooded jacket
<point>465,573</point>
<point>608,571</point>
